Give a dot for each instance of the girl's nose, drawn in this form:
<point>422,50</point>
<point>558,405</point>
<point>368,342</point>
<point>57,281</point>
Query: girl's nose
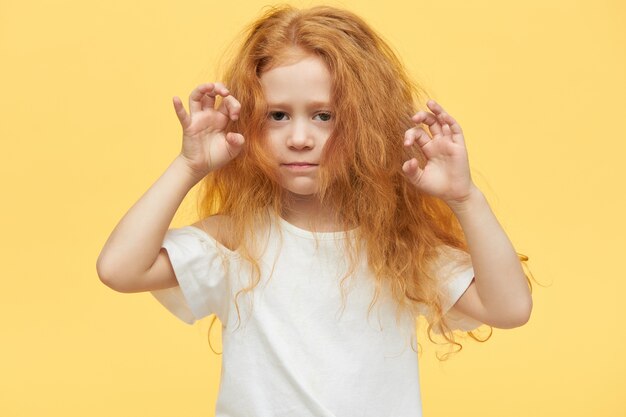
<point>300,136</point>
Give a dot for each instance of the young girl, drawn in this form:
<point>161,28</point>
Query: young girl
<point>334,210</point>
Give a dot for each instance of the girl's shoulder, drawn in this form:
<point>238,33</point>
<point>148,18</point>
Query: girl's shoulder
<point>219,227</point>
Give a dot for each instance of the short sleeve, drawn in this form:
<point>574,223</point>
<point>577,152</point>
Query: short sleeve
<point>201,267</point>
<point>454,272</point>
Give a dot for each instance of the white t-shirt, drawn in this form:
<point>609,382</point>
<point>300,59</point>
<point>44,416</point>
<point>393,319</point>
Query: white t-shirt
<point>295,352</point>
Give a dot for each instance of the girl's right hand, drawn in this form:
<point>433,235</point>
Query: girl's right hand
<point>206,147</point>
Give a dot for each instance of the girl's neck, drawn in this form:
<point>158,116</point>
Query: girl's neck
<point>306,212</point>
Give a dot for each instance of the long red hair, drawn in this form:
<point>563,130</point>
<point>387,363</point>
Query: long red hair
<point>361,178</point>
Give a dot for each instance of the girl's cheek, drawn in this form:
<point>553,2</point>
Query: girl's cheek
<point>269,147</point>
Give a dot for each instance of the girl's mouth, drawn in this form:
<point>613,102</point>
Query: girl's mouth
<point>299,166</point>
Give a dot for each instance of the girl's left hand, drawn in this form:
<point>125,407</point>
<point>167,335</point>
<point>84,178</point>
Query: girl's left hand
<point>446,174</point>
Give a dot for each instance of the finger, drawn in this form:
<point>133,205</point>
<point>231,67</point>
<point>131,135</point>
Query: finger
<point>435,107</point>
<point>183,117</point>
<point>208,100</point>
<point>234,143</point>
<point>439,112</point>
<point>416,134</point>
<point>453,126</point>
<point>454,129</point>
<point>446,130</point>
<point>221,89</point>
<point>429,119</point>
<point>197,95</point>
<point>449,120</point>
<point>230,107</point>
<point>442,115</point>
<point>412,170</point>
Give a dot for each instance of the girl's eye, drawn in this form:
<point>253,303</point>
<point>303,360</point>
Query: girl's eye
<point>324,117</point>
<point>277,115</point>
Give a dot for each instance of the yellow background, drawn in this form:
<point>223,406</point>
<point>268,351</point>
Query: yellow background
<point>87,125</point>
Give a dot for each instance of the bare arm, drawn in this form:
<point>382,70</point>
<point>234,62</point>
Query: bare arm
<point>499,295</point>
<point>134,244</point>
<point>132,259</point>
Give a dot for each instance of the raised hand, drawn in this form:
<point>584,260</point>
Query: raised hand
<point>446,174</point>
<point>206,146</point>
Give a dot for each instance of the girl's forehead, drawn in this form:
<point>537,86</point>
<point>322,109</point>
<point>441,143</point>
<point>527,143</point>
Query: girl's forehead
<point>307,78</point>
<point>308,66</point>
<point>288,56</point>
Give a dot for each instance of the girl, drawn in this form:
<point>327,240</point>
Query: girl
<point>334,210</point>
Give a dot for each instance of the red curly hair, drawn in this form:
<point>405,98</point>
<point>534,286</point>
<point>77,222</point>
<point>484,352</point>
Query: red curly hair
<point>361,178</point>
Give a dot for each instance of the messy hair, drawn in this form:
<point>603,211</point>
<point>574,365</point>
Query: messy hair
<point>361,178</point>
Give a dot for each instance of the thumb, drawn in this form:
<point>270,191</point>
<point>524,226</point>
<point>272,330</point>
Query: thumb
<point>412,171</point>
<point>234,143</point>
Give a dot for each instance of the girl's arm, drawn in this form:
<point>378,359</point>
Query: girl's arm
<point>499,295</point>
<point>131,259</point>
<point>134,244</point>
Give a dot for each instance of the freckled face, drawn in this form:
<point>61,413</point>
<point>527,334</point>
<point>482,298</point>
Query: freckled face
<point>300,120</point>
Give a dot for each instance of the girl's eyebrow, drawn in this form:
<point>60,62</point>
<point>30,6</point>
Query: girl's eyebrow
<point>310,104</point>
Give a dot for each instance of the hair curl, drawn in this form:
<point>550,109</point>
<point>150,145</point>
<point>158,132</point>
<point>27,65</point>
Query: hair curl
<point>361,178</point>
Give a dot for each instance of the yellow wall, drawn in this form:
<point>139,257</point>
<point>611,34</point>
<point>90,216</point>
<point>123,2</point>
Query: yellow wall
<point>87,125</point>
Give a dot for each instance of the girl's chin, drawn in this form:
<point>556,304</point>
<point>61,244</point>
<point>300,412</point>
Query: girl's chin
<point>303,187</point>
<point>301,193</point>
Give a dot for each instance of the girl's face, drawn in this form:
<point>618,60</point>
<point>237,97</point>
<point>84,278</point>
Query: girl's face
<point>300,120</point>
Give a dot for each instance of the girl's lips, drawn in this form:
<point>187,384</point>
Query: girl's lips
<point>299,166</point>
